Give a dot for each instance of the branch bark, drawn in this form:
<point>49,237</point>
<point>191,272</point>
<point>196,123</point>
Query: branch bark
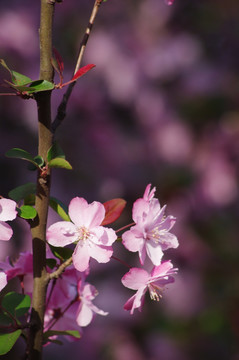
<point>38,226</point>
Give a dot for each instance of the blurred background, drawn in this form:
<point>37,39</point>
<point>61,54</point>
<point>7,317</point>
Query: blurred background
<point>161,107</point>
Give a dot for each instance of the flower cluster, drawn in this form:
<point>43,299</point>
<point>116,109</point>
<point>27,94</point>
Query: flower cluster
<point>150,237</point>
<point>69,300</point>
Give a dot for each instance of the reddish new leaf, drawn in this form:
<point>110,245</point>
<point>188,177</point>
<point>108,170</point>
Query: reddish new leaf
<point>113,210</point>
<point>82,71</point>
<point>59,61</point>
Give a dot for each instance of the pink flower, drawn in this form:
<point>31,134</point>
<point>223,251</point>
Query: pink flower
<point>141,280</point>
<point>92,239</point>
<point>7,212</point>
<point>151,234</point>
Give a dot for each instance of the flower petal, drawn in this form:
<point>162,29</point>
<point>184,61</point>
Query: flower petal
<point>136,301</point>
<point>3,280</point>
<point>84,214</point>
<point>5,231</point>
<point>149,194</point>
<point>133,239</point>
<point>154,252</point>
<point>62,233</point>
<point>81,256</point>
<point>135,278</point>
<point>7,210</point>
<point>103,236</point>
<point>100,253</point>
<point>84,315</point>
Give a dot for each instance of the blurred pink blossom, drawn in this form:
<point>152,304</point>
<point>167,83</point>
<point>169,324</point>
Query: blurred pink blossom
<point>7,212</point>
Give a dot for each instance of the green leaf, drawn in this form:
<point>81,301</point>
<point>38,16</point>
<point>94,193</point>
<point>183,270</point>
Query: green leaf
<point>22,191</point>
<point>27,212</point>
<point>34,87</point>
<point>8,340</point>
<point>21,154</point>
<point>3,63</point>
<point>20,79</point>
<point>59,208</point>
<point>40,162</point>
<point>59,163</point>
<point>54,341</point>
<point>17,78</point>
<point>51,263</point>
<point>5,319</point>
<point>30,199</point>
<point>74,333</point>
<point>40,85</point>
<point>61,253</point>
<point>16,304</point>
<point>55,152</point>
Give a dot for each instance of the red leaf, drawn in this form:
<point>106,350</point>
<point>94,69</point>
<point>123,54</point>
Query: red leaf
<point>82,71</point>
<point>59,61</point>
<point>113,210</point>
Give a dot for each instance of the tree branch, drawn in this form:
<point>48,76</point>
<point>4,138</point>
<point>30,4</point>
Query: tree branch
<point>38,226</point>
<point>61,112</point>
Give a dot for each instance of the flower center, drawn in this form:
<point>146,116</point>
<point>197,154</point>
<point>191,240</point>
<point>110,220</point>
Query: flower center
<point>83,233</point>
<point>154,292</point>
<point>156,235</point>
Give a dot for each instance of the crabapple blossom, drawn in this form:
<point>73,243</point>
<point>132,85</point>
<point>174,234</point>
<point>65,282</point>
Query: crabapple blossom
<point>150,235</point>
<point>141,280</point>
<point>92,239</point>
<point>7,212</point>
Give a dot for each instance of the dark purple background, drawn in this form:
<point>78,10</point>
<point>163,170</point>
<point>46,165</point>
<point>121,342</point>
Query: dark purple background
<point>160,107</point>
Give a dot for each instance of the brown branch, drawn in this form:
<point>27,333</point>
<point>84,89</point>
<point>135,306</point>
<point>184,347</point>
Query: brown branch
<point>38,226</point>
<point>61,268</point>
<point>61,111</point>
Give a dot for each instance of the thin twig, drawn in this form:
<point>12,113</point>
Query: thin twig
<point>60,270</point>
<point>61,111</point>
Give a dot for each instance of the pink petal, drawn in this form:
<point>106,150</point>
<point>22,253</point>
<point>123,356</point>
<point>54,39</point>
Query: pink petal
<point>148,195</point>
<point>162,269</point>
<point>133,239</point>
<point>140,210</point>
<point>135,278</point>
<point>84,315</point>
<point>142,254</point>
<point>5,231</point>
<point>84,214</point>
<point>7,209</point>
<point>136,301</point>
<point>154,252</point>
<point>103,236</point>
<point>62,233</point>
<point>81,257</point>
<point>169,241</point>
<point>3,280</point>
<point>102,254</point>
